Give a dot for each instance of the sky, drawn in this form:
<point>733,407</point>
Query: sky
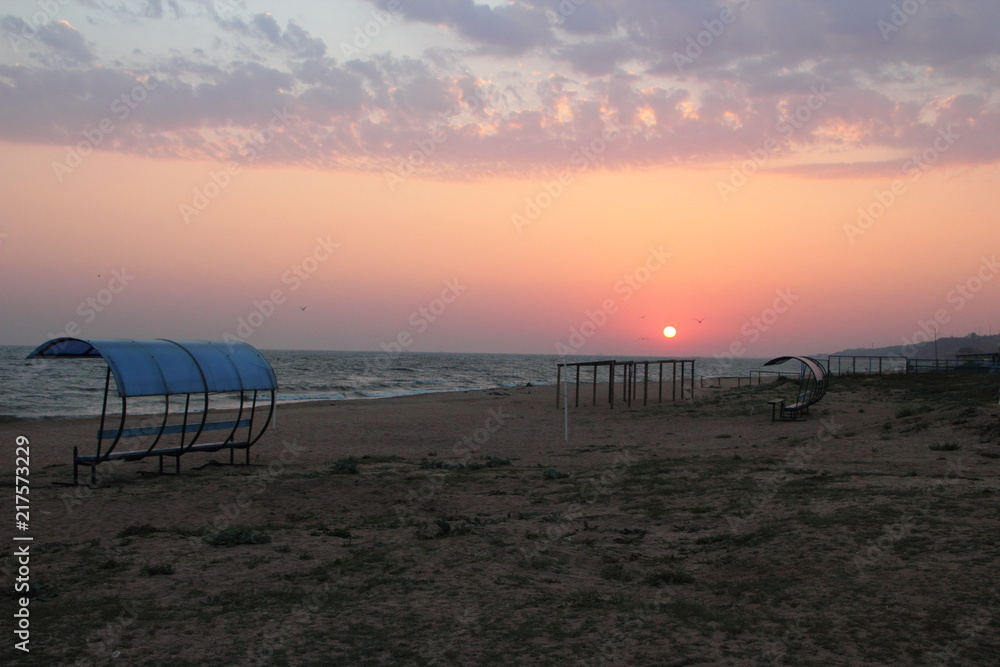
<point>769,177</point>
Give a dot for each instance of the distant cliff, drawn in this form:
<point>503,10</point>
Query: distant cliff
<point>947,348</point>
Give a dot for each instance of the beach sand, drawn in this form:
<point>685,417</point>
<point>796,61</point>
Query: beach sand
<point>461,528</point>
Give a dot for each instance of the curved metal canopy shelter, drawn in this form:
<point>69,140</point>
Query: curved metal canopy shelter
<point>813,380</point>
<point>174,368</point>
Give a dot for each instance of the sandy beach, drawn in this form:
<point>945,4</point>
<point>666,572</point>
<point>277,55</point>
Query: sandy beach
<point>462,528</point>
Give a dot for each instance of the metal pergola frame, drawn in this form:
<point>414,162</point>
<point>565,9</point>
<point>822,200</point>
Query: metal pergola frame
<point>630,379</point>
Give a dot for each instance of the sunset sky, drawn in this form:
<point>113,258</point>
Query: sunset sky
<point>539,176</point>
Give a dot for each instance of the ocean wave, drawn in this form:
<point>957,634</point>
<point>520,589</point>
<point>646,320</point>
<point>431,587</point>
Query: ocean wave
<point>74,389</point>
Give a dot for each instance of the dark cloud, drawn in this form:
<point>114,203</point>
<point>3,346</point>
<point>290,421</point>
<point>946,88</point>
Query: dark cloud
<point>598,58</point>
<point>294,40</point>
<point>813,76</point>
<point>507,29</point>
<point>67,40</point>
<point>48,42</point>
<point>265,24</point>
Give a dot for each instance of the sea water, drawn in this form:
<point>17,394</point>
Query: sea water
<point>37,388</point>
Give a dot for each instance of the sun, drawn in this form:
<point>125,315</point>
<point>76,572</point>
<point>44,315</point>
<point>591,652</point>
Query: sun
<point>670,332</point>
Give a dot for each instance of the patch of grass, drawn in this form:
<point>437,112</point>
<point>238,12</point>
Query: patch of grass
<point>391,458</point>
<point>345,466</point>
<point>111,564</point>
<point>756,537</point>
<point>236,535</point>
<point>137,531</point>
<point>944,446</point>
<point>486,462</point>
<point>697,614</point>
<point>587,598</point>
<point>617,572</point>
<point>724,435</point>
<point>552,473</point>
<point>154,569</point>
<point>495,461</point>
<point>667,577</point>
<point>258,559</point>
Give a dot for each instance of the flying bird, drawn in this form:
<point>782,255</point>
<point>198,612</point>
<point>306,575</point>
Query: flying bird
<point>302,307</point>
<point>697,320</point>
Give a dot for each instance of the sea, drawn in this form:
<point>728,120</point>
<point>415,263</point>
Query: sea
<point>41,388</point>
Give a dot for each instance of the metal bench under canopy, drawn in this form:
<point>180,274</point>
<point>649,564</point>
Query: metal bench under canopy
<point>173,368</point>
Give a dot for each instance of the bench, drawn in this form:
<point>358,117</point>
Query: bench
<point>812,387</point>
<point>171,429</point>
<point>174,369</point>
<point>116,435</point>
<point>800,408</point>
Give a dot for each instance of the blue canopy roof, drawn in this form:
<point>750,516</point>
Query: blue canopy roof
<point>159,367</point>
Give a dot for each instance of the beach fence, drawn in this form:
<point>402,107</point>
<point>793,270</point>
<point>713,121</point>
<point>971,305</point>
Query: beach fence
<point>866,365</point>
<point>957,365</point>
<point>754,378</point>
<point>623,381</point>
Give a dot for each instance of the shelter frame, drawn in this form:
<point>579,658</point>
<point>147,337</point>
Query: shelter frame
<point>196,370</point>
